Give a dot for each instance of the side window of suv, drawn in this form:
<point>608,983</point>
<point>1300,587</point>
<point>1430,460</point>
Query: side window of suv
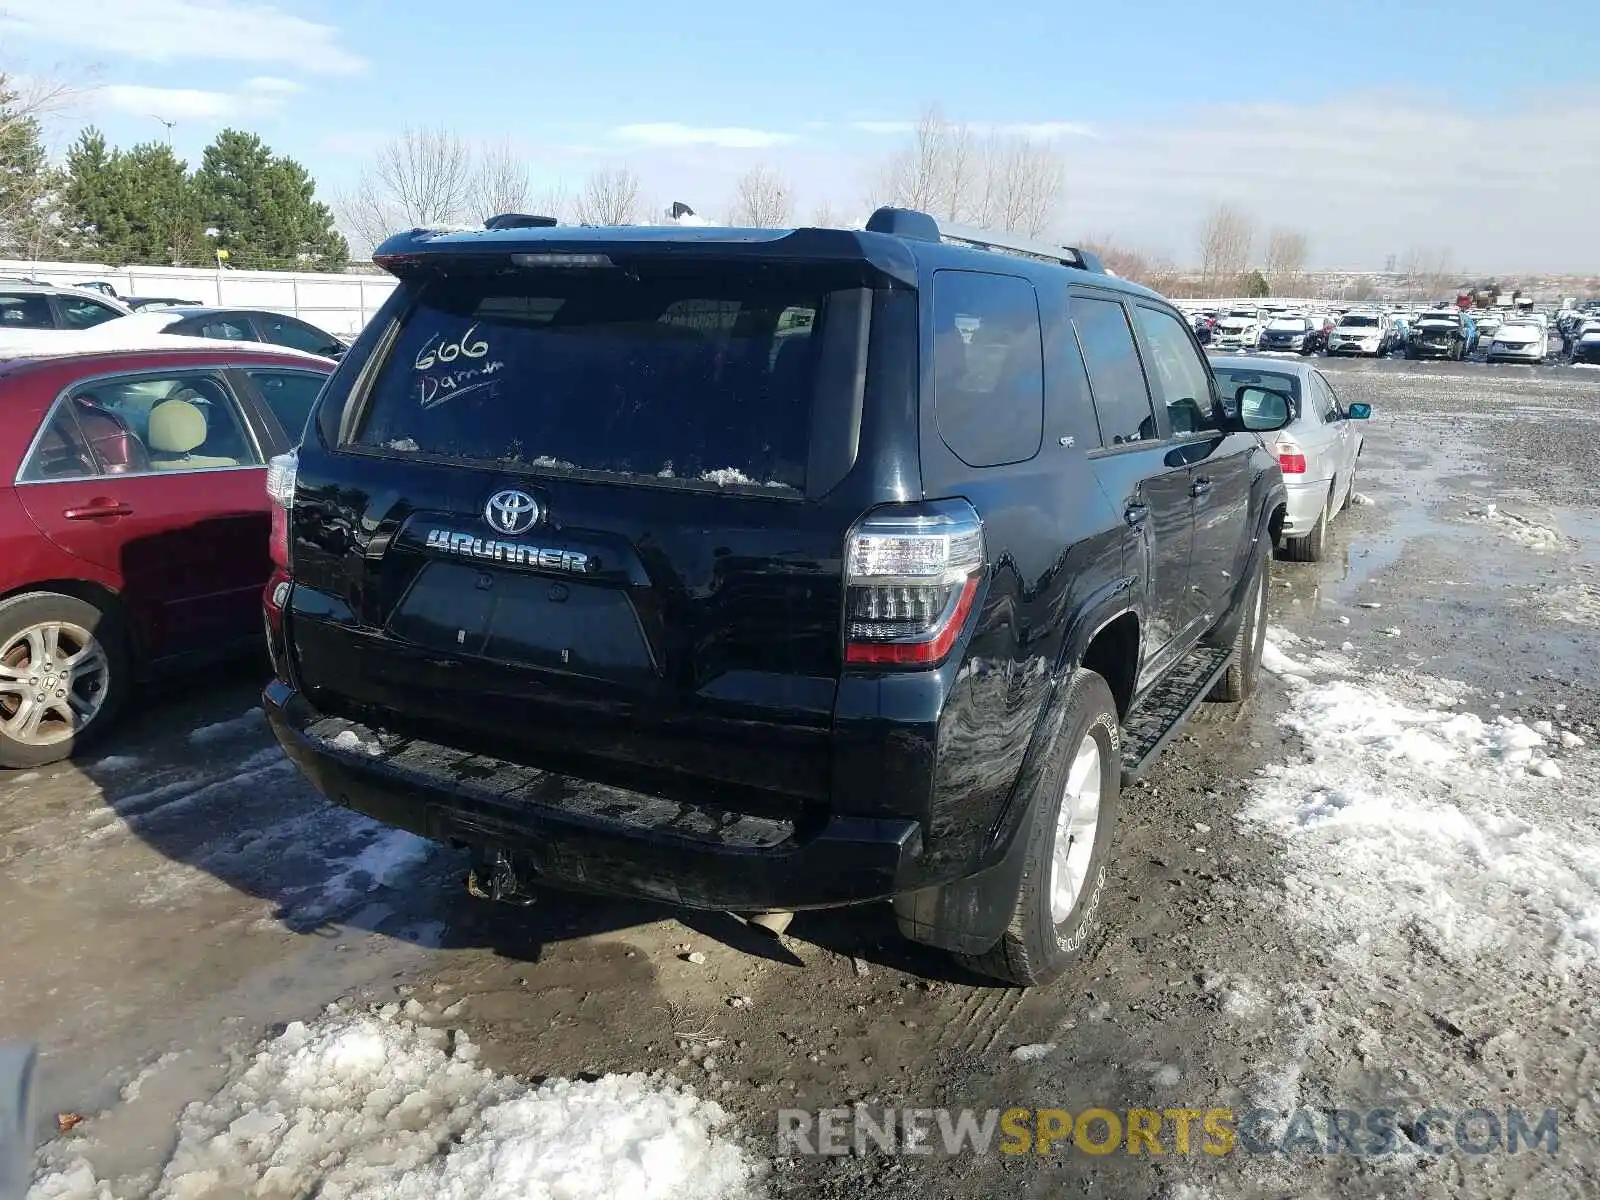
<point>988,367</point>
<point>1184,378</point>
<point>1121,395</point>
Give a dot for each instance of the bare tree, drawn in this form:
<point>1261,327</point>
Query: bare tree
<point>421,177</point>
<point>1287,251</point>
<point>610,196</point>
<point>1436,271</point>
<point>1154,271</point>
<point>762,199</point>
<point>823,216</point>
<point>500,183</point>
<point>1023,181</point>
<point>1225,239</point>
<point>913,177</point>
<point>553,200</point>
<point>1011,182</point>
<point>30,188</point>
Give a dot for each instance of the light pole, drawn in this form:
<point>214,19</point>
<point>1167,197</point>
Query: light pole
<point>168,124</point>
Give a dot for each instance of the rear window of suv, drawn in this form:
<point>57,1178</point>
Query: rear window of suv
<point>700,376</point>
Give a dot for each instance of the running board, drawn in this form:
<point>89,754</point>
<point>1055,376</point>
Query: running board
<point>1162,710</point>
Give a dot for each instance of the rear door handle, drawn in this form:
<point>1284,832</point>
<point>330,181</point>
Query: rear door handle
<point>1201,487</point>
<point>1135,514</point>
<point>98,507</point>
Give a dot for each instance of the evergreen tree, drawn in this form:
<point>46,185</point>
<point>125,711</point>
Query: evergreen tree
<point>264,208</point>
<point>136,206</point>
<point>28,184</point>
<point>160,205</point>
<point>94,217</point>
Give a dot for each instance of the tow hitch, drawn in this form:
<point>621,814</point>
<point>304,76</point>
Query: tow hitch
<point>493,876</point>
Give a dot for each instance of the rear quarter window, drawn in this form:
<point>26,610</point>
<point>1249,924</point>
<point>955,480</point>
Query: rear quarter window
<point>988,359</point>
<point>698,376</point>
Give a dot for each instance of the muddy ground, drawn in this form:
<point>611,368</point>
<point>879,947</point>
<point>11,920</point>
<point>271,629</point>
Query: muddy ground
<point>168,901</point>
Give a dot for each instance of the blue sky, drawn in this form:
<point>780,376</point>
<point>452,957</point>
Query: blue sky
<point>1471,128</point>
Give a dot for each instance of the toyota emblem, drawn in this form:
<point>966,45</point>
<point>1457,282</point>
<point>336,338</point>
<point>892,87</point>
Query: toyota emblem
<point>512,512</point>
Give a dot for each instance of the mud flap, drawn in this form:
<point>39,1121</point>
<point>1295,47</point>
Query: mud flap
<point>968,915</point>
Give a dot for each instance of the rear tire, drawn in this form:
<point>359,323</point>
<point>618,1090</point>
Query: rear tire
<point>1238,682</point>
<point>1058,899</point>
<point>1309,549</point>
<point>71,654</point>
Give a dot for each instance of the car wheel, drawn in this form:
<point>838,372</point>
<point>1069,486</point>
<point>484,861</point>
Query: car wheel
<point>1308,549</point>
<point>1349,492</point>
<point>63,672</point>
<point>1073,807</point>
<point>1238,682</point>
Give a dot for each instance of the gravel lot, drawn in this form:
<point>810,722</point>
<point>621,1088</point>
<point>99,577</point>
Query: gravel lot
<point>1365,889</point>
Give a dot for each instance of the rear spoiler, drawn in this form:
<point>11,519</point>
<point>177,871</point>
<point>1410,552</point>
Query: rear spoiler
<point>425,251</point>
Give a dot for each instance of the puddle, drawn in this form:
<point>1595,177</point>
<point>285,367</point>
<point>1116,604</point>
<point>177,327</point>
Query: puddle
<point>1583,526</point>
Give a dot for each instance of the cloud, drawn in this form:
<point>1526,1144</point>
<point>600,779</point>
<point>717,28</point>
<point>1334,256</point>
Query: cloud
<point>669,135</point>
<point>884,127</point>
<point>1040,131</point>
<point>271,85</point>
<point>256,97</point>
<point>171,30</point>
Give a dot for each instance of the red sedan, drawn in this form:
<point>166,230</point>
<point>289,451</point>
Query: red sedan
<point>133,523</point>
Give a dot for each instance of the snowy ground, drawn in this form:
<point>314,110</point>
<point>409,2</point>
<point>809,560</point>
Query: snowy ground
<point>1377,885</point>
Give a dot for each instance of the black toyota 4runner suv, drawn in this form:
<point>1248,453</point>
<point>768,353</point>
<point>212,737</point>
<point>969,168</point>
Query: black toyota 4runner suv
<point>760,570</point>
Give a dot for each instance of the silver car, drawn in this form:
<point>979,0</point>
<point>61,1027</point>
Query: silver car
<point>1317,450</point>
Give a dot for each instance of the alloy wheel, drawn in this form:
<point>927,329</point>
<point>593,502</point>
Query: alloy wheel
<point>54,678</point>
<point>1077,820</point>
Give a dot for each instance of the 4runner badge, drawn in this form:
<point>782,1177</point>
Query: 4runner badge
<point>520,554</point>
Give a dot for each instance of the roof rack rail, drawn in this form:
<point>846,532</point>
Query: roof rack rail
<point>910,223</point>
<point>513,220</point>
<point>1016,243</point>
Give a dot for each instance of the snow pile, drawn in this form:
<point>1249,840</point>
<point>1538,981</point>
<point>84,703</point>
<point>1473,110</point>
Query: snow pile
<point>1415,820</point>
<point>349,739</point>
<point>1577,603</point>
<point>222,730</point>
<point>361,1105</point>
<point>1522,530</point>
<point>1033,1051</point>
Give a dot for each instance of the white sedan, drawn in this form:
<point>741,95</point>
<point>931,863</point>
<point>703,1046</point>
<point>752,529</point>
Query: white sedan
<point>1317,451</point>
<point>1519,341</point>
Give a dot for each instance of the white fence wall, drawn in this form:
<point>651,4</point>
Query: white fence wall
<point>337,303</point>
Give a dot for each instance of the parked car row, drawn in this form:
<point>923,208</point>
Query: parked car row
<point>89,309</point>
<point>1445,332</point>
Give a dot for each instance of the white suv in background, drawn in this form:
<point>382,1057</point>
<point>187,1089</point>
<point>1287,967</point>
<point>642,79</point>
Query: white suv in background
<point>1361,333</point>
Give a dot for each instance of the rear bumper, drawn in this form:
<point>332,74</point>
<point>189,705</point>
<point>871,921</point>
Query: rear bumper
<point>571,834</point>
<point>1303,506</point>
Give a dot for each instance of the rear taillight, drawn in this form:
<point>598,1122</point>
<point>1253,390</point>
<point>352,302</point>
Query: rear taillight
<point>911,575</point>
<point>281,473</point>
<point>1291,458</point>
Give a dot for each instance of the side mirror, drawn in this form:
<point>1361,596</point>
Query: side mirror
<point>1262,410</point>
<point>1359,412</point>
